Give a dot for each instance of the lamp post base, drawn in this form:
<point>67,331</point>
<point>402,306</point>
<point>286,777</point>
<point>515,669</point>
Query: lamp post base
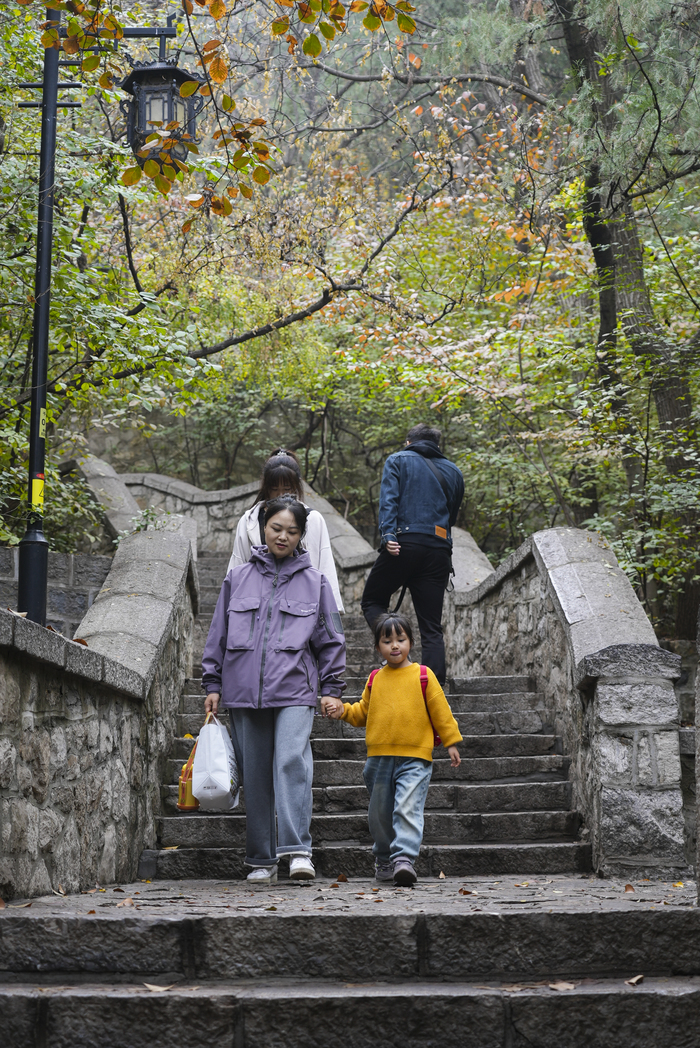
<point>33,573</point>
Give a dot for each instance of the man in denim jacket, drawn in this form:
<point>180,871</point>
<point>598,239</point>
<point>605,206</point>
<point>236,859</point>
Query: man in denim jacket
<point>418,504</point>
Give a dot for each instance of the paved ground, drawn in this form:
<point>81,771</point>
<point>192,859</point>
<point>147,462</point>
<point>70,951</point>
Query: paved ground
<point>479,894</point>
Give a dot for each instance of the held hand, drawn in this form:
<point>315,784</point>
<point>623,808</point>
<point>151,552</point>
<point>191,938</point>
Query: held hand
<point>394,548</point>
<point>455,759</point>
<point>332,707</point>
<point>211,703</point>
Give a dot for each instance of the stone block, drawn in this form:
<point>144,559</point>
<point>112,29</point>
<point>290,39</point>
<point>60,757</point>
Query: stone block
<point>641,824</point>
<point>60,571</point>
<point>8,593</point>
<point>618,661</point>
<point>8,563</point>
<point>558,546</point>
<point>83,662</point>
<point>119,504</point>
<point>636,704</point>
<point>613,758</point>
<point>39,642</point>
<point>7,627</point>
<point>90,570</point>
<point>113,621</point>
<point>668,758</point>
<point>120,677</point>
<point>8,756</point>
<point>66,604</point>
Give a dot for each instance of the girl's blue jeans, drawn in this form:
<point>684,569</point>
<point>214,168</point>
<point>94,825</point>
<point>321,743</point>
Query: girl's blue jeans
<point>398,787</point>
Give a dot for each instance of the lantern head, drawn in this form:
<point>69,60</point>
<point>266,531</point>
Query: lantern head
<point>156,106</point>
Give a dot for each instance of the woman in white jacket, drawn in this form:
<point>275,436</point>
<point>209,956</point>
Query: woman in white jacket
<point>282,476</point>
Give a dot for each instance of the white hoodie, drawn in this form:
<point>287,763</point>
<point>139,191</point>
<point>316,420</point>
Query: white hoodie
<point>316,543</point>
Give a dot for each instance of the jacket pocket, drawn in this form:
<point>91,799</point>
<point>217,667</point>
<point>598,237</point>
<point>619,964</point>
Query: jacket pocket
<point>242,613</point>
<point>297,622</point>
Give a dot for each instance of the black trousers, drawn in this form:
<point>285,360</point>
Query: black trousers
<point>426,571</point>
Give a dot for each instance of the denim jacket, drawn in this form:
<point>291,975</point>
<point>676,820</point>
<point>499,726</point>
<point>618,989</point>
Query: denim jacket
<point>412,501</point>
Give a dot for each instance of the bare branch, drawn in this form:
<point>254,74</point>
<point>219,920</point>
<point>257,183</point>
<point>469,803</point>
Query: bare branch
<point>485,78</point>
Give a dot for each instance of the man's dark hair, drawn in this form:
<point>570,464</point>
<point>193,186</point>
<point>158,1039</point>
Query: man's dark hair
<point>390,623</point>
<point>424,432</point>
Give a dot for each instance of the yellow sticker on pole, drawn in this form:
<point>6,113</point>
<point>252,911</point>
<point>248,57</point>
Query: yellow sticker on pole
<point>42,424</point>
<point>37,492</point>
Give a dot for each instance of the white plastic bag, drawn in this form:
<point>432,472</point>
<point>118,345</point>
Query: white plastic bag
<point>214,770</point>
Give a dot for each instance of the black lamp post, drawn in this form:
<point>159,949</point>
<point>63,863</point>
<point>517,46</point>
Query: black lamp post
<point>156,98</point>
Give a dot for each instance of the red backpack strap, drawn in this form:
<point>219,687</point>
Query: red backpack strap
<point>370,679</point>
<point>424,688</point>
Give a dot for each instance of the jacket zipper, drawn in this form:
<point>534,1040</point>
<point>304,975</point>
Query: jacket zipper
<point>306,671</point>
<point>267,632</point>
<point>325,625</point>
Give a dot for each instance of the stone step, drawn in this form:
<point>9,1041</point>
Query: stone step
<point>228,831</point>
<point>314,1014</point>
<point>505,722</point>
<point>496,686</point>
<point>471,746</point>
<point>542,768</point>
<point>511,797</point>
<point>356,860</point>
<point>509,702</point>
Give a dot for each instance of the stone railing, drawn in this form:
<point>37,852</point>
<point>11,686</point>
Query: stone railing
<point>217,513</point>
<point>561,611</point>
<point>85,730</point>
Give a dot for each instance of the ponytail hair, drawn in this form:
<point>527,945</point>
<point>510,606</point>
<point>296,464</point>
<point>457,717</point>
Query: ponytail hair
<point>282,470</point>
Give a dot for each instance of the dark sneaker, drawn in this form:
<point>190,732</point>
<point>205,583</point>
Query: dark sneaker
<point>384,871</point>
<point>404,874</point>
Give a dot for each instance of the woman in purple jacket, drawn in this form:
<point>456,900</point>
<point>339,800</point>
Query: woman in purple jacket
<point>276,631</point>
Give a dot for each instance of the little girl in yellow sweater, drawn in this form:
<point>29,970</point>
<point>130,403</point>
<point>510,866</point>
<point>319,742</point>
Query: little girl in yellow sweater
<point>401,720</point>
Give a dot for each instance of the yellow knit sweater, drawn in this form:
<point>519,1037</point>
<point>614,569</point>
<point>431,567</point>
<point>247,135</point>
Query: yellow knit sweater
<point>395,714</point>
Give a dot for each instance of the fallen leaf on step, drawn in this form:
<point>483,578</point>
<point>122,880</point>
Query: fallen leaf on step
<point>563,985</point>
<point>118,890</point>
<point>270,907</point>
<point>333,885</point>
<point>79,640</point>
<point>171,847</point>
<point>342,878</point>
<point>61,890</point>
<point>678,884</point>
<point>517,987</point>
<point>158,989</point>
<point>635,981</point>
<point>126,902</point>
<point>465,891</point>
<point>629,888</point>
<point>20,905</point>
<point>90,911</point>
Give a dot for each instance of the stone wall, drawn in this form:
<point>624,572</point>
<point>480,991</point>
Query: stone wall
<point>74,582</point>
<point>561,611</point>
<point>85,730</point>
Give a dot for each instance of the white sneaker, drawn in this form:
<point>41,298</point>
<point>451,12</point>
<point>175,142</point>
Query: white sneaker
<point>263,875</point>
<point>301,868</point>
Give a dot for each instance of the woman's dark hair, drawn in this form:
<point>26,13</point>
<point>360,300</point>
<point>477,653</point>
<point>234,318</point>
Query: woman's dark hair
<point>282,470</point>
<point>296,508</point>
<point>388,624</point>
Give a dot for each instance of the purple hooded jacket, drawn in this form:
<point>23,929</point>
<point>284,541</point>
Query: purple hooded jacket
<point>276,631</point>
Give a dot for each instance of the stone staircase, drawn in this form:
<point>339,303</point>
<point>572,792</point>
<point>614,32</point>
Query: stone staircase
<point>506,809</point>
